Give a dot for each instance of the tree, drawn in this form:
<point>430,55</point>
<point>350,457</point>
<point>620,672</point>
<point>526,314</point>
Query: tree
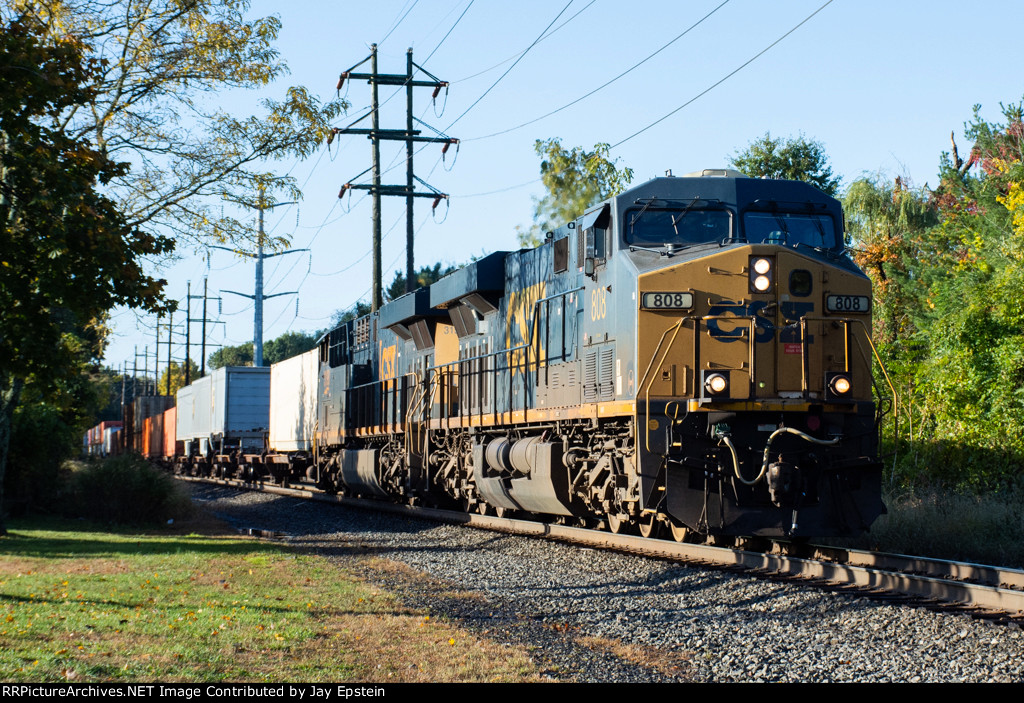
<point>288,345</point>
<point>238,355</point>
<point>888,225</point>
<point>284,347</point>
<point>424,277</point>
<point>356,311</point>
<point>575,179</point>
<point>159,70</point>
<point>971,379</point>
<point>177,374</point>
<point>797,159</point>
<point>68,254</point>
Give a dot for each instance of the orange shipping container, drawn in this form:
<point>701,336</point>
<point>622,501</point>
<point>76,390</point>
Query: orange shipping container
<point>153,437</point>
<point>170,425</point>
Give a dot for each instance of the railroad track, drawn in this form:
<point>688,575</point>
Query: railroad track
<point>990,592</point>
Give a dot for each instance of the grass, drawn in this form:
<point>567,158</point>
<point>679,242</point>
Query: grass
<point>668,662</point>
<point>949,525</point>
<point>84,606</point>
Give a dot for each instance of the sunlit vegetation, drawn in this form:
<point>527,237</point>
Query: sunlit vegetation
<point>103,606</point>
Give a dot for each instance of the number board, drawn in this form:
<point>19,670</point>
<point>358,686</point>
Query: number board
<point>667,301</point>
<point>848,303</point>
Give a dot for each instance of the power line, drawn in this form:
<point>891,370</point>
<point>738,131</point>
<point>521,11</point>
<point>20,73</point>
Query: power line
<point>395,26</point>
<point>604,85</point>
<point>500,190</point>
<point>723,80</point>
<point>545,36</point>
<point>426,60</point>
<point>541,36</point>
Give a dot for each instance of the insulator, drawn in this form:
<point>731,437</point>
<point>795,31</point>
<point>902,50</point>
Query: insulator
<point>341,80</point>
<point>437,201</point>
<point>437,88</point>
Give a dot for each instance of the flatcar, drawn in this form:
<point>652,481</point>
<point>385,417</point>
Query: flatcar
<point>693,353</point>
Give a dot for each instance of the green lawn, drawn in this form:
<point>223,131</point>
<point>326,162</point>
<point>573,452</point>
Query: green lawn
<point>86,604</point>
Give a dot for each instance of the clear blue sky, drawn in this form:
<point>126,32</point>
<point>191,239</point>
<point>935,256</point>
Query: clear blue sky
<point>880,84</point>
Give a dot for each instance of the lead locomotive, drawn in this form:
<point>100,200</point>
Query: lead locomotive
<point>693,353</point>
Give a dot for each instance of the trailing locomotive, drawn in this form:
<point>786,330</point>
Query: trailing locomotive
<point>693,353</point>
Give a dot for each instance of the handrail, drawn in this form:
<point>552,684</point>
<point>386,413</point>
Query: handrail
<point>647,380</point>
<point>411,410</point>
<point>881,365</point>
<point>846,322</point>
<point>752,319</point>
<point>650,365</point>
<point>885,372</point>
<point>527,345</point>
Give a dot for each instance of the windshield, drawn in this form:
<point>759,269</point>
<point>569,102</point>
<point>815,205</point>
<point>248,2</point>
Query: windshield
<point>790,228</point>
<point>676,225</point>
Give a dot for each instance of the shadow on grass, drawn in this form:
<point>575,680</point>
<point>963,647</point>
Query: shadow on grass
<point>61,538</point>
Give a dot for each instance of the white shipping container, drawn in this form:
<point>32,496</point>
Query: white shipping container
<point>186,411</point>
<point>111,436</point>
<point>231,402</point>
<point>293,394</point>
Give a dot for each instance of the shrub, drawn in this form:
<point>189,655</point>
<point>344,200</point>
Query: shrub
<point>126,490</point>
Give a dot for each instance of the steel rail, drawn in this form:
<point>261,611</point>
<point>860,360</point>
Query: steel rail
<point>997,589</point>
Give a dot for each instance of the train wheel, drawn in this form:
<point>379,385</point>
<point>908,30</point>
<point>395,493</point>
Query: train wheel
<point>649,525</point>
<point>616,525</point>
<point>484,509</point>
<point>680,532</point>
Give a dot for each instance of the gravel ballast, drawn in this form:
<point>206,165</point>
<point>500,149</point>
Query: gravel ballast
<point>597,616</point>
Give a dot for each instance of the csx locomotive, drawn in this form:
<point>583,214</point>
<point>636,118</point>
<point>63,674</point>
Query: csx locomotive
<point>693,354</point>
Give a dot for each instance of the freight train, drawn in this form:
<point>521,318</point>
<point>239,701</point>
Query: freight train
<point>692,355</point>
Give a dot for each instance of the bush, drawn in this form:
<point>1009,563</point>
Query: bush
<point>41,439</point>
<point>126,490</point>
<point>945,523</point>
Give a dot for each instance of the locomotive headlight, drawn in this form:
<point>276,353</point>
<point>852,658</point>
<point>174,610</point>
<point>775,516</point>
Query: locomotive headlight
<point>716,384</point>
<point>761,274</point>
<point>838,386</point>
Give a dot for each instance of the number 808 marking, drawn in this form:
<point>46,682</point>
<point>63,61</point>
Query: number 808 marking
<point>848,303</point>
<point>667,301</point>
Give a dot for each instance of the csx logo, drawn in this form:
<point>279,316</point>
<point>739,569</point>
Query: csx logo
<point>521,309</point>
<point>387,361</point>
<point>764,327</point>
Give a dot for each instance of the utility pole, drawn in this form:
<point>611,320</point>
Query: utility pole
<point>188,330</point>
<point>145,371</point>
<point>156,355</point>
<point>156,358</point>
<point>410,136</point>
<point>258,297</point>
<point>170,333</point>
<point>204,320</point>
